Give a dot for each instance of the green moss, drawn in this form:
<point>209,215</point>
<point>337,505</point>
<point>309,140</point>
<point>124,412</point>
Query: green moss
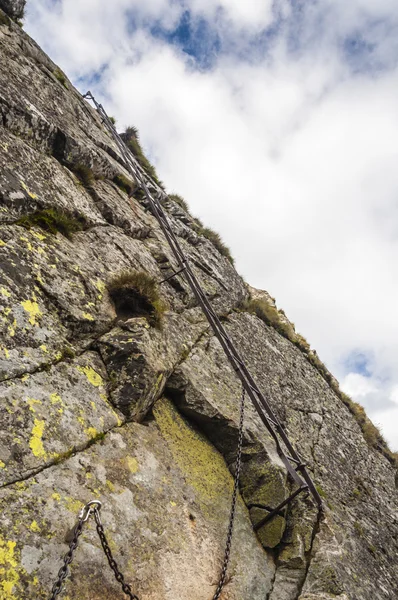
<point>83,173</point>
<point>135,293</point>
<point>58,74</point>
<point>202,466</point>
<point>216,240</point>
<point>330,581</point>
<point>270,534</point>
<point>123,183</point>
<point>320,491</point>
<point>68,352</point>
<point>52,220</point>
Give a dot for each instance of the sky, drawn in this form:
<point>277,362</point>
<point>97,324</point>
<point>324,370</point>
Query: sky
<point>277,121</point>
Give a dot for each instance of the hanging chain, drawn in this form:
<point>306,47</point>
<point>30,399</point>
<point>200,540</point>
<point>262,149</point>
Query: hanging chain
<point>92,507</point>
<point>112,563</point>
<point>64,570</point>
<point>238,464</point>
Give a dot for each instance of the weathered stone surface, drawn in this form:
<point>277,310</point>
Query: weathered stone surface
<point>166,495</point>
<point>72,374</point>
<point>46,416</point>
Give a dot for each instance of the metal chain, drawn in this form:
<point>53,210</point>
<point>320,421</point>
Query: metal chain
<point>64,570</point>
<point>92,507</point>
<point>238,463</point>
<point>112,563</point>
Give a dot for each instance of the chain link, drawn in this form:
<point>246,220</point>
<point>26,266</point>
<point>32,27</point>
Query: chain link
<point>112,563</point>
<point>64,570</point>
<point>238,463</point>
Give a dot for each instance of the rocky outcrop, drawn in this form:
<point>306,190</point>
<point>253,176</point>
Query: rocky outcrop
<point>98,405</point>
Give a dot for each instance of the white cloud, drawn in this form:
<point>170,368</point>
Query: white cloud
<point>292,157</point>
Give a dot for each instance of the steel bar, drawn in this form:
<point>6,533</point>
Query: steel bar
<point>153,194</point>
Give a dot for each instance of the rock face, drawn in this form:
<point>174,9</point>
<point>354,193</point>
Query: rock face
<point>145,419</point>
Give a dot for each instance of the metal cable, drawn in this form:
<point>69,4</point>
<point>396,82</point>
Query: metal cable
<point>154,196</point>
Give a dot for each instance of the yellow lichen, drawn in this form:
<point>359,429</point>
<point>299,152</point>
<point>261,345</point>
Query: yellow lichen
<point>94,378</point>
<point>37,235</point>
<point>27,190</point>
<point>9,576</point>
<point>43,347</point>
<point>32,308</point>
<point>87,316</point>
<point>91,432</point>
<point>4,292</point>
<point>56,496</point>
<point>36,443</point>
<point>34,527</point>
<point>73,505</point>
<point>6,353</point>
<point>55,398</point>
<point>12,328</point>
<point>132,464</point>
<point>2,243</point>
<point>2,465</point>
<point>31,403</point>
<point>202,465</point>
<point>100,285</point>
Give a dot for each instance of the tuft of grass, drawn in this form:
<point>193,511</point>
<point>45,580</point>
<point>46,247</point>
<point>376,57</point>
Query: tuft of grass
<point>180,201</point>
<point>135,293</point>
<point>130,137</point>
<point>60,75</point>
<point>52,220</point>
<point>112,120</point>
<point>216,240</point>
<point>83,173</point>
<point>123,183</point>
<point>271,316</point>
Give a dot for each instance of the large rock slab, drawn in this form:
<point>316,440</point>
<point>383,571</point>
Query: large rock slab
<point>166,496</point>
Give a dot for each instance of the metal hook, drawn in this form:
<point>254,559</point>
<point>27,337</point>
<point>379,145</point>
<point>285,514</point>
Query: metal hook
<point>92,506</point>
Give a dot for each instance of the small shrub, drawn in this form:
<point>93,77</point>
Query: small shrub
<point>112,120</point>
<point>52,220</point>
<point>216,240</point>
<point>123,183</point>
<point>83,173</point>
<point>180,201</point>
<point>58,74</point>
<point>135,293</point>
